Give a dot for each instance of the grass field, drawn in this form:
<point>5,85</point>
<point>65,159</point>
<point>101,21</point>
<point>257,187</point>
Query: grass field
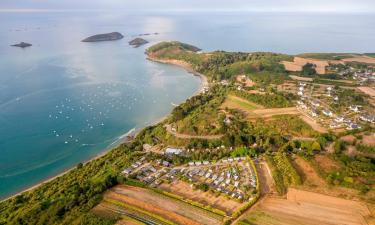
<point>234,102</point>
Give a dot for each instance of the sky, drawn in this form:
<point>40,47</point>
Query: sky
<point>355,6</point>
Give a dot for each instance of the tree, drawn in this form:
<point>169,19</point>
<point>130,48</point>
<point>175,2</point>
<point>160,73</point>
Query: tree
<point>316,146</point>
<point>309,69</point>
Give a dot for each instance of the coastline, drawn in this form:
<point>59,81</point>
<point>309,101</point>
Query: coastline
<point>184,65</point>
<point>187,67</point>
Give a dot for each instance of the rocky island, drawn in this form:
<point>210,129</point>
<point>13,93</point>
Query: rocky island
<point>137,42</point>
<point>104,37</point>
<point>22,45</point>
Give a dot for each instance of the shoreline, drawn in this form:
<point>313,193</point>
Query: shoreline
<point>186,66</point>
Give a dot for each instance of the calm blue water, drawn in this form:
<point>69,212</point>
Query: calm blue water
<point>63,101</point>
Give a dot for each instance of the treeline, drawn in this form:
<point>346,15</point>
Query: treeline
<point>267,100</point>
<point>283,172</point>
<point>68,199</point>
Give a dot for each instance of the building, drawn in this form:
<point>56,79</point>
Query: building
<point>327,112</point>
<point>173,151</point>
<point>339,119</point>
<point>367,118</point>
<point>353,126</point>
<point>354,108</point>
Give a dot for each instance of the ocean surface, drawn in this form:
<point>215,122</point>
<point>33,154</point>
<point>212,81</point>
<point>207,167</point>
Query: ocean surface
<point>63,101</point>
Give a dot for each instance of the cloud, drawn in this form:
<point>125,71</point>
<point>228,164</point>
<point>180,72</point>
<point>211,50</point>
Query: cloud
<point>186,5</point>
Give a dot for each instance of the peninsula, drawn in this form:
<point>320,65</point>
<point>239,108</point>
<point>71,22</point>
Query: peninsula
<point>104,37</point>
<point>22,45</point>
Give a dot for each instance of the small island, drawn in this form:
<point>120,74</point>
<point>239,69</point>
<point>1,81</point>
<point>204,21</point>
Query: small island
<point>137,42</point>
<point>104,37</point>
<point>22,45</point>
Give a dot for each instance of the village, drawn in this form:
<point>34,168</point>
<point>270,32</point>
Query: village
<point>232,177</point>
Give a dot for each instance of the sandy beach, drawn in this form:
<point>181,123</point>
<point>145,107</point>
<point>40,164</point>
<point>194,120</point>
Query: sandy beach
<point>187,67</point>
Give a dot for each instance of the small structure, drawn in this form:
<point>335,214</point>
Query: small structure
<point>367,118</point>
<point>327,112</point>
<point>353,126</point>
<point>354,108</point>
<point>173,151</point>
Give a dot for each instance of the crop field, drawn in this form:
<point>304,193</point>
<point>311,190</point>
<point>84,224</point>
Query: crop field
<point>267,113</point>
<point>303,207</point>
<point>152,206</point>
<point>368,90</point>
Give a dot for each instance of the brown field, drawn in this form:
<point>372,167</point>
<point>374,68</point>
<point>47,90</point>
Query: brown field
<point>360,59</point>
<point>266,113</point>
<point>313,124</point>
<point>183,189</point>
<point>308,208</point>
<point>326,163</point>
<point>294,77</point>
<point>368,90</point>
<point>168,208</point>
<point>369,139</point>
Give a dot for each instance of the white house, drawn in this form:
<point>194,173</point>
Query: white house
<point>354,108</point>
<point>173,151</point>
<point>327,112</point>
<point>339,119</point>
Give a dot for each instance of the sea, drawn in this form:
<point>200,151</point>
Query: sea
<point>63,101</point>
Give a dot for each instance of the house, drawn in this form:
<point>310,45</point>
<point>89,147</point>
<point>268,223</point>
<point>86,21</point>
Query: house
<point>166,163</point>
<point>353,126</point>
<point>334,125</point>
<point>227,120</point>
<point>367,118</point>
<point>336,98</point>
<point>339,119</point>
<point>315,103</point>
<point>327,112</point>
<point>173,151</point>
<point>314,113</point>
<point>127,171</point>
<point>354,108</point>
